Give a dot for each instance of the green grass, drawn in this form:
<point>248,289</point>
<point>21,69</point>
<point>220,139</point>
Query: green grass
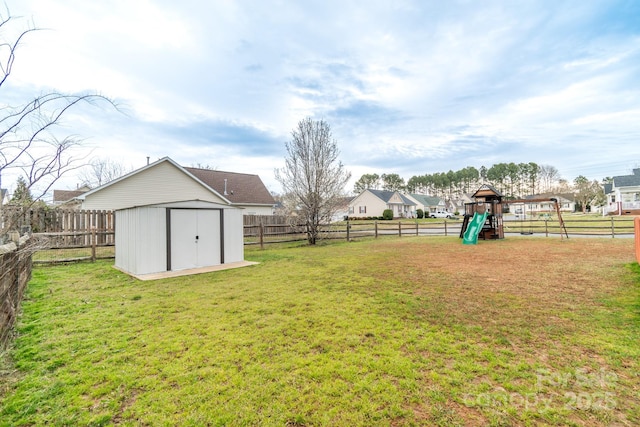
<point>411,331</point>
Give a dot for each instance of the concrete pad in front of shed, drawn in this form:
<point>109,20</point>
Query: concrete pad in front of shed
<point>168,274</point>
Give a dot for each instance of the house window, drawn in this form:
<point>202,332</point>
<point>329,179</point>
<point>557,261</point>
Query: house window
<point>613,198</point>
<point>636,197</point>
<point>362,209</point>
<point>350,209</point>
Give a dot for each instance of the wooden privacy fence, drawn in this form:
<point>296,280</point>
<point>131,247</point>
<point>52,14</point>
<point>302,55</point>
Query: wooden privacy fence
<point>15,273</point>
<point>46,220</point>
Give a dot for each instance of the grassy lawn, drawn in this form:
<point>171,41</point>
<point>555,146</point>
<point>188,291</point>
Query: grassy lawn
<point>396,331</point>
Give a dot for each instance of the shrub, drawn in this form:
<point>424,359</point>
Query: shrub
<point>420,213</point>
<point>387,214</point>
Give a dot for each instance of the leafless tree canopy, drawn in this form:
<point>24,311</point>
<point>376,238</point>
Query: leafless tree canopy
<point>30,140</point>
<point>313,177</point>
<point>102,170</point>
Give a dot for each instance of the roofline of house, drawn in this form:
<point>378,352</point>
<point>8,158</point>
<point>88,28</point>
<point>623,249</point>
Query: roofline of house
<point>150,165</point>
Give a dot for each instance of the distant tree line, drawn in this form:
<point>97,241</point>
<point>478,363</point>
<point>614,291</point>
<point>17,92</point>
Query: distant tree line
<point>513,180</point>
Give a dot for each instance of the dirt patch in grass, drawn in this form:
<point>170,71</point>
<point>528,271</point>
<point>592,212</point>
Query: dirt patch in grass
<point>529,303</point>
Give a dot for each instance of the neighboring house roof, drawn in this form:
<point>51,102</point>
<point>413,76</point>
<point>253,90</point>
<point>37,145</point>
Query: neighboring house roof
<point>387,195</point>
<point>608,188</point>
<point>238,188</point>
<point>426,200</point>
<point>627,180</point>
<point>61,196</point>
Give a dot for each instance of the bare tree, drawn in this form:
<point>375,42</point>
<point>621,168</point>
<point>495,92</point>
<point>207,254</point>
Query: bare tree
<point>30,141</point>
<point>313,176</point>
<point>102,170</point>
<point>548,176</point>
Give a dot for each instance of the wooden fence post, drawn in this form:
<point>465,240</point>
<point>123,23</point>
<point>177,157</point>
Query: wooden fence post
<point>546,228</point>
<point>93,244</point>
<point>261,234</point>
<point>348,227</point>
<point>399,229</point>
<point>417,233</point>
<point>445,227</point>
<point>613,229</point>
<point>375,223</point>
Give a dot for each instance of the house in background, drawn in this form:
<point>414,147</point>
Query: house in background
<point>68,198</point>
<point>341,209</point>
<point>566,203</point>
<point>372,203</point>
<point>164,179</point>
<point>623,194</point>
<point>428,204</point>
<point>457,205</point>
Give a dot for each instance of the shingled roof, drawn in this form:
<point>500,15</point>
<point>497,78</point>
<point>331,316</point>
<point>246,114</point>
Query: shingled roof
<point>238,188</point>
<point>386,196</point>
<point>60,196</point>
<point>627,180</point>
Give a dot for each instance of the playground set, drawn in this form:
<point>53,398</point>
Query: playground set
<point>484,217</point>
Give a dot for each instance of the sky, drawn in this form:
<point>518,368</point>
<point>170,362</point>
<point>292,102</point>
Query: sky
<point>411,87</point>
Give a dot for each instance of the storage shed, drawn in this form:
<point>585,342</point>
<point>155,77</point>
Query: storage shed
<point>178,236</point>
<point>168,220</point>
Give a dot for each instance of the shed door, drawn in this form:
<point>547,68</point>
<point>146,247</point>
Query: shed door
<point>195,238</point>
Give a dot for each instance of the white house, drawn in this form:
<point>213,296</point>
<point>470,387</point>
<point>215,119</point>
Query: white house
<point>372,203</point>
<point>623,194</point>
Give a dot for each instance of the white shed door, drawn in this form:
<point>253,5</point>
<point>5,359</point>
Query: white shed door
<point>195,238</point>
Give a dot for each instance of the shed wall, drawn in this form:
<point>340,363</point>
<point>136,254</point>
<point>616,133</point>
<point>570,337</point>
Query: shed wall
<point>141,241</point>
<point>234,236</point>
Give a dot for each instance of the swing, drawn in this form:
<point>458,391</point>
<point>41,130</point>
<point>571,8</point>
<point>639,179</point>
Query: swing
<point>522,218</point>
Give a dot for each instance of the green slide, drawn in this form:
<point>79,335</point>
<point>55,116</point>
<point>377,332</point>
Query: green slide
<point>474,228</point>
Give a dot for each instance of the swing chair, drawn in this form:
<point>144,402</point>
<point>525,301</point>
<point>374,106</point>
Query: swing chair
<point>522,218</point>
